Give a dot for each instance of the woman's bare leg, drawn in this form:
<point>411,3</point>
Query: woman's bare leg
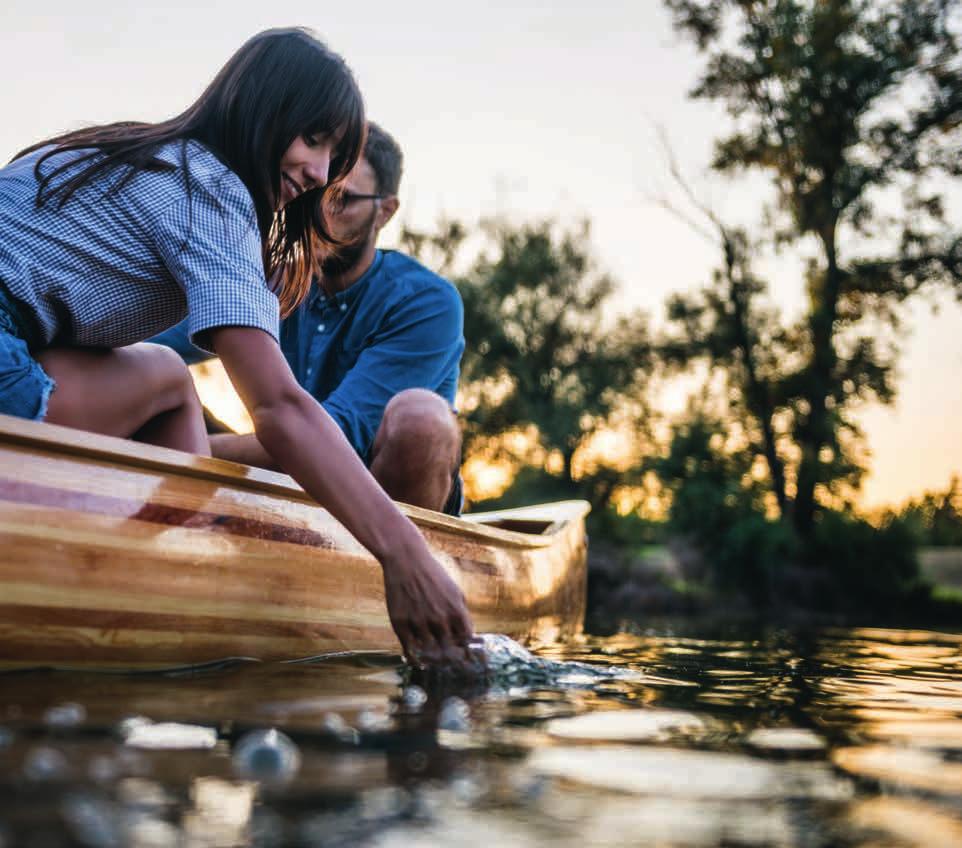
<point>143,391</point>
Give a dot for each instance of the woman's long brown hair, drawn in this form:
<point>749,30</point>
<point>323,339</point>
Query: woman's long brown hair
<point>281,84</point>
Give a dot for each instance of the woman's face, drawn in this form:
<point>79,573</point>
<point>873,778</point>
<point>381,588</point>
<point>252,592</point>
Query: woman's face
<point>305,165</point>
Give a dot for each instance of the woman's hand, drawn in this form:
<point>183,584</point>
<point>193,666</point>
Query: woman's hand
<point>427,610</point>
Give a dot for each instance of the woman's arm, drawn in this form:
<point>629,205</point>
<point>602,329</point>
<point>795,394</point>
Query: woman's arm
<point>425,605</point>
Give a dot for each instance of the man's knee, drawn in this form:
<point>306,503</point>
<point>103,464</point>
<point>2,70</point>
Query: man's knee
<point>419,423</point>
<point>417,449</point>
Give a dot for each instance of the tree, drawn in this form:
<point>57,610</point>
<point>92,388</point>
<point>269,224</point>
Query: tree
<point>724,326</point>
<point>936,517</point>
<point>814,89</point>
<point>717,509</point>
<point>540,352</point>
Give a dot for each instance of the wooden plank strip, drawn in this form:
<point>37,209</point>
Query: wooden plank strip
<point>43,643</point>
<point>18,615</point>
<point>36,494</point>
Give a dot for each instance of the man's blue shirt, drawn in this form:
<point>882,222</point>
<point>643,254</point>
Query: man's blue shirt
<point>400,326</point>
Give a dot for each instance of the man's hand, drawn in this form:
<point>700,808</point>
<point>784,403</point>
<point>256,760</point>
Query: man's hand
<point>244,449</point>
<point>427,611</point>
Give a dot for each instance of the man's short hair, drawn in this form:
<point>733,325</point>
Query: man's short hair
<point>385,157</point>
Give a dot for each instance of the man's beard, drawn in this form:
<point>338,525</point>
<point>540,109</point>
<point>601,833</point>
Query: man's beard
<point>347,256</point>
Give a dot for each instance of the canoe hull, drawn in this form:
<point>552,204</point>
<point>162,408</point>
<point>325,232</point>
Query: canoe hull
<point>120,556</point>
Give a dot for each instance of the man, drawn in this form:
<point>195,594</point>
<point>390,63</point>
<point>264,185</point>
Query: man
<point>378,342</point>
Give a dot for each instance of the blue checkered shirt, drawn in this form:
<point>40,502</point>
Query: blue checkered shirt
<point>108,270</point>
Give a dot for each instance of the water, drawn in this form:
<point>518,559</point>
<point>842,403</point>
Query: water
<point>837,737</point>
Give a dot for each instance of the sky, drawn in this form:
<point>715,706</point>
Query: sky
<point>521,109</point>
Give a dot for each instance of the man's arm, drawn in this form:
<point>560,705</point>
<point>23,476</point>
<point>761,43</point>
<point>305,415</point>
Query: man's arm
<point>418,346</point>
<point>244,449</point>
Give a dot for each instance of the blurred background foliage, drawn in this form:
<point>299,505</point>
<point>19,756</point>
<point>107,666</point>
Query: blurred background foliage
<point>747,499</point>
<point>853,110</point>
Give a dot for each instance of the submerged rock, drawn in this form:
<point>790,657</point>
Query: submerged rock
<point>626,725</point>
<point>682,773</point>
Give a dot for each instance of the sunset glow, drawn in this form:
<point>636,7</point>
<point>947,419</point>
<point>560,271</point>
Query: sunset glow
<point>507,142</point>
<point>491,471</point>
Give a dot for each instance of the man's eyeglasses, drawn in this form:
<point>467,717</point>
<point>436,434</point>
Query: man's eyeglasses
<point>339,202</point>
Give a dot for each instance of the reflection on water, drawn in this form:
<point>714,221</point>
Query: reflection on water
<point>839,737</point>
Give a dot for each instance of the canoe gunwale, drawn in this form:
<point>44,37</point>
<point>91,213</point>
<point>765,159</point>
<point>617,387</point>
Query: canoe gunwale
<point>51,438</point>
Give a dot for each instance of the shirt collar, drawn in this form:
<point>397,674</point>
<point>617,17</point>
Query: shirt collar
<point>352,293</point>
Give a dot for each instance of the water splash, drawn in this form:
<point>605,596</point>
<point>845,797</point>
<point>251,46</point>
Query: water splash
<point>45,764</point>
<point>67,716</point>
<point>455,715</point>
<point>266,755</point>
<point>507,665</point>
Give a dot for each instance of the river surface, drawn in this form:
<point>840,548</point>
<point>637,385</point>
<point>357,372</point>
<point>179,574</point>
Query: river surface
<point>721,738</point>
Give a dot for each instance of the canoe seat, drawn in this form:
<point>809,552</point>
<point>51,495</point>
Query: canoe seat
<point>518,525</point>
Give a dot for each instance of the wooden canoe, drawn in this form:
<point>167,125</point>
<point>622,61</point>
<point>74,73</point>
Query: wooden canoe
<point>119,554</point>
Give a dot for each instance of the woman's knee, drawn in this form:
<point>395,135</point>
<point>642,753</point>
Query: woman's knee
<point>165,362</point>
<point>165,371</point>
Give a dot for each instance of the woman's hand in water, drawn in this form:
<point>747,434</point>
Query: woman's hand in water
<point>425,605</point>
<point>426,608</point>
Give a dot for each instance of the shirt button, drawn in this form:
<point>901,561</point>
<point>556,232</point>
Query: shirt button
<point>310,370</point>
<point>343,307</point>
<point>320,328</point>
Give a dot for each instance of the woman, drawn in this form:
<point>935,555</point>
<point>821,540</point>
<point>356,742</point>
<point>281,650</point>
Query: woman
<point>109,235</point>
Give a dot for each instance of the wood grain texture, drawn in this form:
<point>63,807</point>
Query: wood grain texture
<point>118,554</point>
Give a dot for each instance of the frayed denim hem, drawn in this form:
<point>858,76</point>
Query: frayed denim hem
<point>48,387</point>
<point>25,386</point>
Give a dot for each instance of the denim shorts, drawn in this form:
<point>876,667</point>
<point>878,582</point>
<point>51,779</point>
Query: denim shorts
<point>24,386</point>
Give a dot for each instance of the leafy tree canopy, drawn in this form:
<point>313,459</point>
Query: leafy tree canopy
<point>541,351</point>
<point>846,104</point>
